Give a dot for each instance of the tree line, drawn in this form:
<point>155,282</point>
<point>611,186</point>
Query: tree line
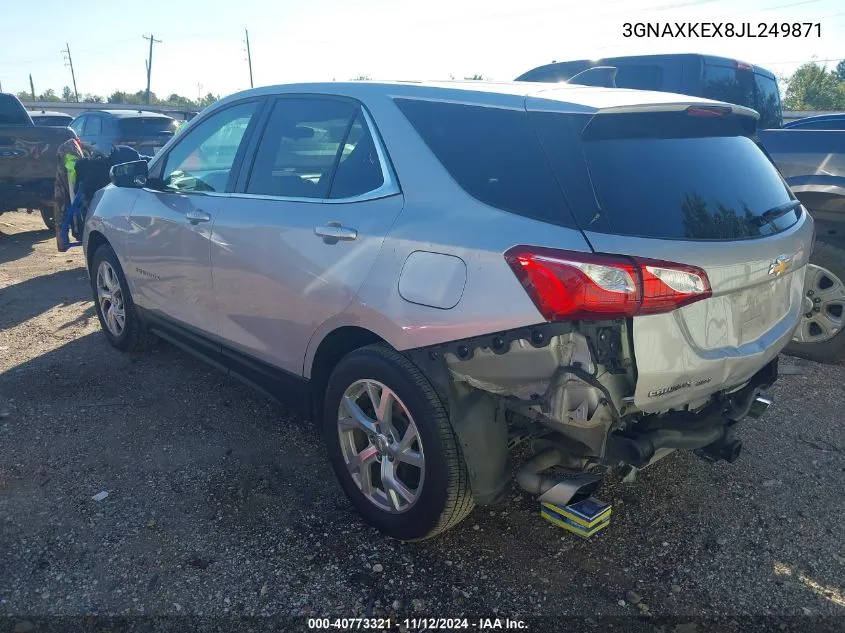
<point>814,87</point>
<point>120,97</point>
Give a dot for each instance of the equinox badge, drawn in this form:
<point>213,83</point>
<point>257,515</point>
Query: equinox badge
<point>780,265</point>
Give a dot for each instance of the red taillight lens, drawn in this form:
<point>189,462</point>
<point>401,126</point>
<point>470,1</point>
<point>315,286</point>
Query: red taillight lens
<point>78,145</point>
<point>668,286</point>
<point>708,112</point>
<point>567,285</point>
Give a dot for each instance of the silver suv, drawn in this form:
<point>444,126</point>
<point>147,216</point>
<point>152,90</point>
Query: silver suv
<point>440,272</point>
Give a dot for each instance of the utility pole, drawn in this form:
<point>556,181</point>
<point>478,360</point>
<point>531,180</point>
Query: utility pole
<point>150,62</point>
<point>66,52</point>
<point>31,87</point>
<point>249,58</point>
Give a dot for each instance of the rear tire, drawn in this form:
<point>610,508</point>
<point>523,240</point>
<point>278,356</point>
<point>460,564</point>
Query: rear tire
<point>438,482</point>
<point>825,282</point>
<point>119,318</point>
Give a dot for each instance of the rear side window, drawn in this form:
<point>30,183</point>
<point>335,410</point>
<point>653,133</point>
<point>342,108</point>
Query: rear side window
<point>93,126</point>
<point>12,112</point>
<point>639,77</point>
<point>493,154</point>
<point>768,102</point>
<point>142,127</point>
<point>673,176</point>
<point>315,148</point>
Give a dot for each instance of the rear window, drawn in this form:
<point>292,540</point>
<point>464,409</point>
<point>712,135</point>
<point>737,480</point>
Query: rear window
<point>12,112</point>
<point>729,84</point>
<point>143,127</point>
<point>52,121</point>
<point>639,77</point>
<point>682,185</point>
<point>767,102</point>
<point>493,154</point>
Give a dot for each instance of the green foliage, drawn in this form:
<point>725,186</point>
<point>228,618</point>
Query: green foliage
<point>813,87</point>
<point>48,95</point>
<point>475,77</point>
<point>140,98</point>
<point>118,96</point>
<point>840,70</point>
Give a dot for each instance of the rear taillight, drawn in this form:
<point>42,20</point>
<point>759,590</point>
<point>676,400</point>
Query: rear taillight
<point>708,112</point>
<point>568,285</point>
<point>78,145</point>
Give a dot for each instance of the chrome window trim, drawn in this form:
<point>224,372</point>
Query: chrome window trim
<point>389,186</point>
<point>375,194</point>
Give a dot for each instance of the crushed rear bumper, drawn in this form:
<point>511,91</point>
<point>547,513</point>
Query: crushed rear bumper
<point>643,442</point>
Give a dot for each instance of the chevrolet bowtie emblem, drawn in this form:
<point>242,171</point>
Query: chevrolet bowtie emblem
<point>780,265</point>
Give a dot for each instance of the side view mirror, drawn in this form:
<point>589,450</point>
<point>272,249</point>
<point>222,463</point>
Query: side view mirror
<point>134,174</point>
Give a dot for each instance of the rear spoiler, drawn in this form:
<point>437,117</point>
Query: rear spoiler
<point>680,107</point>
<point>597,76</point>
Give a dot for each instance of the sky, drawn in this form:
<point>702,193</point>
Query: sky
<point>202,47</point>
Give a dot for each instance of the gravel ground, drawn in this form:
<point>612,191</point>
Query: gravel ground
<point>221,502</point>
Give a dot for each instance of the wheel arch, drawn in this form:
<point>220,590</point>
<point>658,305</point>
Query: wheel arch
<point>95,241</point>
<point>327,353</point>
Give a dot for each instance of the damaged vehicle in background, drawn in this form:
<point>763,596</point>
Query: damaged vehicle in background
<point>438,273</point>
<point>29,161</point>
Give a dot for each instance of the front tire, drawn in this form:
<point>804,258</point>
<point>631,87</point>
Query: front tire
<point>49,220</point>
<point>821,334</point>
<point>118,316</point>
<point>392,447</point>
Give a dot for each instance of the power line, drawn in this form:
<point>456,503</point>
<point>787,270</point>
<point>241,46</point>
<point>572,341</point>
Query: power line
<point>66,52</point>
<point>150,62</point>
<point>801,61</point>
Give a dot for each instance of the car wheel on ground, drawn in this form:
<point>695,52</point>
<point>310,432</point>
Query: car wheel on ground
<point>118,317</point>
<point>820,336</point>
<point>392,446</point>
<point>49,219</point>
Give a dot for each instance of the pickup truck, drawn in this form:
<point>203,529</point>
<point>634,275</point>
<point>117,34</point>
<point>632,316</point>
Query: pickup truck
<point>29,161</point>
<point>811,160</point>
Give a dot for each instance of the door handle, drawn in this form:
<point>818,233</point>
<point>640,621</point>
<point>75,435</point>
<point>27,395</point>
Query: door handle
<point>195,216</point>
<point>333,232</point>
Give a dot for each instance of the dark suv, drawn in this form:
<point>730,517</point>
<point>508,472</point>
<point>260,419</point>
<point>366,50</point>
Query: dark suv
<point>705,76</point>
<point>101,130</point>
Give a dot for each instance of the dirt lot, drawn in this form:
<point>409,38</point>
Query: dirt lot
<point>220,501</point>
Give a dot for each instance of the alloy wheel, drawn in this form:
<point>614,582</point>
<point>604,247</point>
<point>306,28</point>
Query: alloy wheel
<point>381,446</point>
<point>110,298</point>
<point>824,306</point>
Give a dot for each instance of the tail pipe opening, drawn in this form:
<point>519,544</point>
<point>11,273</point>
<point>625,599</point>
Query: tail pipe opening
<point>560,489</point>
